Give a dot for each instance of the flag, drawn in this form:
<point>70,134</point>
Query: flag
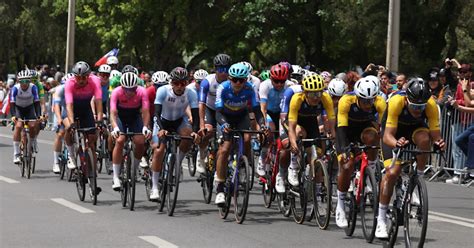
<point>103,60</point>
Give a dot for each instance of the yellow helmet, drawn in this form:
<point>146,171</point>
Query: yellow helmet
<point>313,82</point>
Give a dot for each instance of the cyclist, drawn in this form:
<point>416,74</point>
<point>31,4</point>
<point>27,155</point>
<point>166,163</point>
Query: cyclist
<point>159,79</point>
<point>207,98</point>
<point>411,118</point>
<point>113,62</point>
<point>199,75</point>
<point>336,88</point>
<point>44,114</point>
<point>297,74</point>
<point>128,113</point>
<point>115,81</point>
<point>24,104</point>
<point>264,75</point>
<point>303,111</point>
<point>233,98</point>
<point>357,122</point>
<point>171,103</point>
<point>104,74</point>
<point>271,94</point>
<point>252,79</point>
<point>78,92</point>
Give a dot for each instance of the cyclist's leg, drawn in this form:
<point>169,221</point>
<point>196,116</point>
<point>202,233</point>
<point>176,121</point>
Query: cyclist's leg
<point>184,129</point>
<point>221,166</point>
<point>263,153</point>
<point>370,136</point>
<point>210,123</point>
<point>16,140</point>
<point>421,138</point>
<point>157,161</point>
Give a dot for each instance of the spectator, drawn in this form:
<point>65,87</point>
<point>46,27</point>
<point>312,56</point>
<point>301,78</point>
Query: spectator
<point>433,82</point>
<point>59,73</point>
<point>327,77</point>
<point>46,72</point>
<point>451,80</point>
<point>401,81</point>
<point>147,79</point>
<point>385,85</point>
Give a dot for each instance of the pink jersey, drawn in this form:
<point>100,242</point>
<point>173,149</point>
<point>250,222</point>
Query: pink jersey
<point>121,100</point>
<point>73,93</point>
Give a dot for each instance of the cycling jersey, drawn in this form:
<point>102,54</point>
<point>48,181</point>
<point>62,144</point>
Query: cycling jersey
<point>255,81</point>
<point>40,87</point>
<point>58,98</point>
<point>289,92</point>
<point>349,110</point>
<point>82,95</point>
<point>208,91</point>
<point>235,104</point>
<point>24,98</point>
<point>126,105</point>
<point>299,108</point>
<point>194,87</point>
<point>271,96</point>
<point>173,106</point>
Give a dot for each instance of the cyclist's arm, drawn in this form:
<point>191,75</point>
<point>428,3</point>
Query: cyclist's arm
<point>193,106</point>
<point>389,137</point>
<point>98,98</point>
<point>159,100</point>
<point>329,107</point>
<point>37,101</point>
<point>395,106</point>
<point>204,89</point>
<point>145,107</point>
<point>68,96</point>
<point>113,108</point>
<point>256,108</point>
<point>93,106</point>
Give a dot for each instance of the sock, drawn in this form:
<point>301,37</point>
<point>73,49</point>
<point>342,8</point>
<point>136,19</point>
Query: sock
<point>116,168</point>
<point>16,148</point>
<point>293,162</point>
<point>420,172</point>
<point>154,180</point>
<point>382,213</point>
<point>341,196</point>
<point>56,157</point>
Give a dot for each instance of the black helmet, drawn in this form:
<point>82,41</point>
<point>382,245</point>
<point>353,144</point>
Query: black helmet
<point>129,68</point>
<point>417,91</point>
<point>222,59</point>
<point>81,68</point>
<point>178,74</point>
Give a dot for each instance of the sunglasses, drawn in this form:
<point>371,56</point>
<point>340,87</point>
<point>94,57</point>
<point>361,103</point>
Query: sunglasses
<point>279,81</point>
<point>238,80</point>
<point>314,94</point>
<point>179,83</point>
<point>417,106</point>
<point>134,89</point>
<point>81,77</point>
<point>366,101</point>
<point>25,81</point>
<point>222,69</point>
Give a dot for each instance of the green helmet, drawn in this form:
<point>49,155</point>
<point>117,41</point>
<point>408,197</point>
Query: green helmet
<point>264,75</point>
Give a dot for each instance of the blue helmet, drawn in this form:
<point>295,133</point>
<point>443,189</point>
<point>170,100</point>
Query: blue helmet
<point>239,70</point>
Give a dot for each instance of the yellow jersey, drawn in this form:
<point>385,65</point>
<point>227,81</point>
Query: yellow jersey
<point>299,108</point>
<point>349,110</point>
<point>398,113</point>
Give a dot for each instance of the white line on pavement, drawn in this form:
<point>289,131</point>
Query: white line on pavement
<point>8,180</point>
<point>452,216</point>
<point>154,240</point>
<point>457,222</point>
<point>72,206</point>
<point>42,141</point>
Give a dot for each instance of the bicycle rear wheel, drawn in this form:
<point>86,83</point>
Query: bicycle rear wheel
<point>241,189</point>
<point>79,176</point>
<point>298,199</point>
<point>393,216</point>
<point>322,196</point>
<point>415,213</point>
<point>192,160</point>
<point>28,166</point>
<point>147,180</point>
<point>124,178</point>
<point>268,190</point>
<point>132,184</point>
<point>224,210</point>
<point>92,176</point>
<point>207,184</point>
<point>369,204</point>
<point>350,208</point>
<point>174,174</point>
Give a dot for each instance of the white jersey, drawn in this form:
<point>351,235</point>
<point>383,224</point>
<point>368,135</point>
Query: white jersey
<point>173,106</point>
<point>208,91</point>
<point>268,94</point>
<point>255,81</point>
<point>24,98</point>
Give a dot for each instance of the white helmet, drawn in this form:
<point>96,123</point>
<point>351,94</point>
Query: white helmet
<point>129,80</point>
<point>366,88</point>
<point>160,78</point>
<point>200,74</point>
<point>66,77</point>
<point>105,68</point>
<point>297,70</point>
<point>112,60</point>
<point>374,78</point>
<point>114,73</point>
<point>24,74</point>
<point>337,87</point>
<point>248,65</point>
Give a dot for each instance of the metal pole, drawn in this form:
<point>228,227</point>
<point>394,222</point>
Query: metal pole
<point>393,35</point>
<point>71,18</point>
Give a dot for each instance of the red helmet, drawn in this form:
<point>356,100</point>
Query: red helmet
<point>279,72</point>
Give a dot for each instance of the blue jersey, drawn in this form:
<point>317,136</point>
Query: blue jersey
<point>105,93</point>
<point>271,96</point>
<point>230,103</point>
<point>285,101</point>
<point>208,91</point>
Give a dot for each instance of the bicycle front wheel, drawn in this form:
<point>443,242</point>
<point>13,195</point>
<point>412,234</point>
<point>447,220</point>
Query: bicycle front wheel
<point>124,178</point>
<point>415,213</point>
<point>207,181</point>
<point>192,160</point>
<point>299,200</point>
<point>132,184</point>
<point>241,189</point>
<point>79,176</point>
<point>322,196</point>
<point>350,208</point>
<point>174,173</point>
<point>369,204</point>
<point>92,176</point>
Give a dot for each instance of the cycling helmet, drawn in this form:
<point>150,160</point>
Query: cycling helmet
<point>34,74</point>
<point>66,77</point>
<point>279,72</point>
<point>342,76</point>
<point>249,66</point>
<point>374,78</point>
<point>264,75</point>
<point>222,60</point>
<point>129,80</point>
<point>81,68</point>
<point>160,78</point>
<point>178,74</point>
<point>112,60</point>
<point>130,68</point>
<point>417,91</point>
<point>288,65</point>
<point>326,75</point>
<point>114,73</point>
<point>366,88</point>
<point>239,70</point>
<point>104,68</point>
<point>313,82</point>
<point>200,74</point>
<point>23,74</point>
<point>297,70</point>
<point>337,87</point>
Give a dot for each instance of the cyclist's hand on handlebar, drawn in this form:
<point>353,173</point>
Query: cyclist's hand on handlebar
<point>265,130</point>
<point>202,132</point>
<point>226,127</point>
<point>115,133</point>
<point>14,119</point>
<point>402,142</point>
<point>439,145</point>
<point>196,137</point>
<point>162,134</point>
<point>146,132</point>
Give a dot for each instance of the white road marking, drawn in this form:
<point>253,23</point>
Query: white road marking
<point>8,180</point>
<point>451,216</point>
<point>42,141</point>
<point>457,222</point>
<point>73,206</point>
<point>154,240</point>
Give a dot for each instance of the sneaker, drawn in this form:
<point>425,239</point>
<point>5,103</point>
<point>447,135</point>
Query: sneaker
<point>454,180</point>
<point>415,200</point>
<point>154,195</point>
<point>368,189</point>
<point>220,199</point>
<point>293,177</point>
<point>341,220</point>
<point>280,184</point>
<point>200,164</point>
<point>71,163</point>
<point>56,169</point>
<point>117,184</point>
<point>261,167</point>
<point>16,159</point>
<point>143,163</point>
<point>381,230</point>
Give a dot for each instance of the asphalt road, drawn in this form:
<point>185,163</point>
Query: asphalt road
<point>46,212</point>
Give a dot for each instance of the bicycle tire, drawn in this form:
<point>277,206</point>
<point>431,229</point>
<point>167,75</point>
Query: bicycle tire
<point>79,176</point>
<point>393,215</point>
<point>33,164</point>
<point>163,189</point>
<point>417,185</point>
<point>62,167</point>
<point>323,198</point>
<point>124,179</point>
<point>207,181</point>
<point>267,190</point>
<point>28,166</point>
<point>147,174</point>
<point>252,175</point>
<point>22,166</point>
<point>351,213</point>
<point>192,160</point>
<point>299,208</point>
<point>369,205</point>
<point>173,183</point>
<point>91,176</point>
<point>224,210</point>
<point>242,186</point>
<point>132,183</point>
